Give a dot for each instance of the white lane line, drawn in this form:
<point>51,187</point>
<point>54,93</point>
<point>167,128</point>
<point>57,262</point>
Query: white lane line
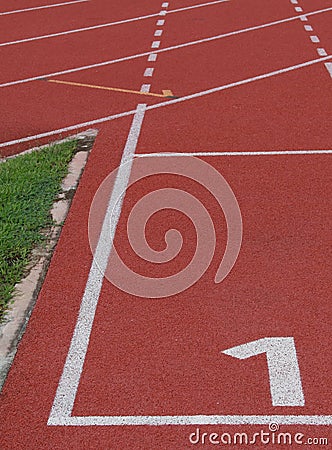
<point>321,52</point>
<point>109,24</point>
<point>166,49</point>
<point>160,23</point>
<point>304,18</point>
<point>298,9</point>
<point>314,39</point>
<point>164,5</point>
<point>67,129</point>
<point>329,68</point>
<point>295,2</point>
<point>55,5</point>
<point>240,83</point>
<point>190,420</point>
<point>162,13</point>
<point>148,72</point>
<point>244,153</point>
<point>152,57</point>
<point>170,102</point>
<point>69,381</point>
<point>158,32</point>
<point>308,28</point>
<point>155,44</point>
<point>145,87</point>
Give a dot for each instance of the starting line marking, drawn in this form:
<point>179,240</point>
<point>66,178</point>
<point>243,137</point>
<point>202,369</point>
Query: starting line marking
<point>61,411</point>
<point>105,88</point>
<point>189,420</point>
<point>41,7</point>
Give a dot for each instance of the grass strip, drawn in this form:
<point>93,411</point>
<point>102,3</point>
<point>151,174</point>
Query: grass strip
<point>29,185</point>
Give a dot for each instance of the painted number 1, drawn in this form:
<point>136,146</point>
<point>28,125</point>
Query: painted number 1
<point>283,367</point>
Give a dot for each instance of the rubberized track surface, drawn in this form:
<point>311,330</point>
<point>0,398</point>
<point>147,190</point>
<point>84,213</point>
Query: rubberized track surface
<point>254,103</point>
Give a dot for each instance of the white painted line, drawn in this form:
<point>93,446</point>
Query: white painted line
<point>170,102</point>
<point>160,23</point>
<point>244,153</point>
<point>145,87</point>
<point>295,2</point>
<point>70,378</point>
<point>152,57</point>
<point>304,18</point>
<point>189,420</point>
<point>109,24</point>
<point>66,129</point>
<point>308,28</point>
<point>314,39</point>
<point>155,44</point>
<point>55,5</point>
<point>162,13</point>
<point>166,49</point>
<point>321,52</point>
<point>148,72</point>
<point>329,68</point>
<point>298,9</point>
<point>158,32</point>
<point>164,5</point>
<point>240,83</point>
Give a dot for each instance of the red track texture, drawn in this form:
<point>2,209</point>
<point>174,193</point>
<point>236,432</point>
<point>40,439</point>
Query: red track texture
<point>162,357</point>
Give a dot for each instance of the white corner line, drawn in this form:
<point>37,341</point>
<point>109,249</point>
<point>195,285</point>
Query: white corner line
<point>70,378</point>
<point>55,5</point>
<point>235,153</point>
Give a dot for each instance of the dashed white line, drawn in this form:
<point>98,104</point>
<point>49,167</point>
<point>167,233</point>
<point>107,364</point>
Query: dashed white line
<point>308,28</point>
<point>314,39</point>
<point>155,44</point>
<point>174,47</point>
<point>55,5</point>
<point>152,57</point>
<point>164,5</point>
<point>145,87</point>
<point>148,72</point>
<point>162,13</point>
<point>158,33</point>
<point>321,52</point>
<point>304,18</point>
<point>298,9</point>
<point>295,2</point>
<point>329,68</point>
<point>160,23</point>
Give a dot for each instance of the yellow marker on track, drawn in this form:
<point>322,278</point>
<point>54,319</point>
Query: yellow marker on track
<point>166,93</point>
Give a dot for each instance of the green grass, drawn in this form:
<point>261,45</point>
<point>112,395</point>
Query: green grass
<point>28,186</point>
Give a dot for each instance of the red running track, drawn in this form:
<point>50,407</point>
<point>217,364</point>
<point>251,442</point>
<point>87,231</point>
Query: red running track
<point>153,372</point>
